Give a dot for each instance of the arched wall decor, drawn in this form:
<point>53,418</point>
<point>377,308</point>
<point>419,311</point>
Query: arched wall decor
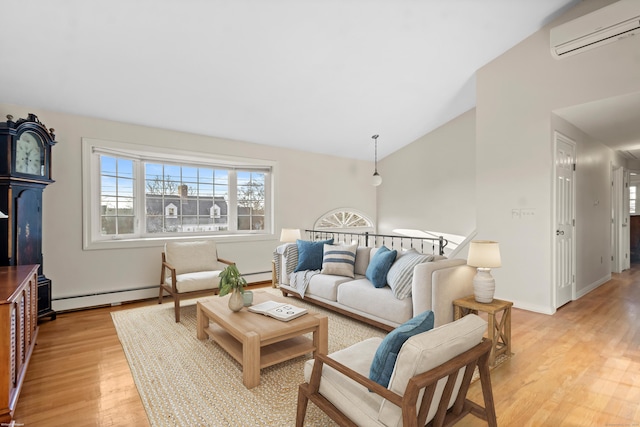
<point>345,219</point>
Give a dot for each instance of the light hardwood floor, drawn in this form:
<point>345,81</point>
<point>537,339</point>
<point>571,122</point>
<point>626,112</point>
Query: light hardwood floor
<point>579,367</point>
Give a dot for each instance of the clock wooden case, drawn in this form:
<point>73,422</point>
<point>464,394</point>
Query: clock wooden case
<point>25,171</point>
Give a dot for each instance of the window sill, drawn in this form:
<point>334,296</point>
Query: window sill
<point>148,242</point>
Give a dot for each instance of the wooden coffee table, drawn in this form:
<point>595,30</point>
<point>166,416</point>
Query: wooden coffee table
<point>257,341</point>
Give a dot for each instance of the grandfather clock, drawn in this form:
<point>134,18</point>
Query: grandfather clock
<point>25,171</point>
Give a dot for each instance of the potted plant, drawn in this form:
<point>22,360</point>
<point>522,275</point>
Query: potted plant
<point>231,281</point>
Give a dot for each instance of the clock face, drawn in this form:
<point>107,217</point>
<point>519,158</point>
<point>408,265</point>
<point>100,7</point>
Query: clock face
<point>29,154</point>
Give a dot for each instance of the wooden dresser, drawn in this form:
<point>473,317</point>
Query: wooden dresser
<point>18,331</point>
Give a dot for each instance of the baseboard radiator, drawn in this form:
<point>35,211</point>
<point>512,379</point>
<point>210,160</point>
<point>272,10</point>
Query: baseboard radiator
<point>116,297</point>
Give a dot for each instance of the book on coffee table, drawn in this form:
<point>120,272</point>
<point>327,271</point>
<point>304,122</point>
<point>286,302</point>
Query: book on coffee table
<point>278,310</point>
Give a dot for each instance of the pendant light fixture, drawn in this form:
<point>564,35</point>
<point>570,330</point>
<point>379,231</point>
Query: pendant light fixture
<point>377,179</point>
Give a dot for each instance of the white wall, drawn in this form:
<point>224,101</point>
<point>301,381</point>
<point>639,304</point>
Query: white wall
<point>516,94</point>
<point>307,186</point>
<point>430,183</point>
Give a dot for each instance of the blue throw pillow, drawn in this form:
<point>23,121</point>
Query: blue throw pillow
<point>385,358</point>
<point>379,266</point>
<point>310,254</point>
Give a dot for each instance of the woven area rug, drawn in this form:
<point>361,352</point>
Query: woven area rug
<point>187,382</point>
<point>183,381</point>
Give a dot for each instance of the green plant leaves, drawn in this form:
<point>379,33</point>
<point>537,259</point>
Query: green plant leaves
<point>230,279</point>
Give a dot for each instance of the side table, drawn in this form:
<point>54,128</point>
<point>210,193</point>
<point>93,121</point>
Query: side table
<point>499,328</point>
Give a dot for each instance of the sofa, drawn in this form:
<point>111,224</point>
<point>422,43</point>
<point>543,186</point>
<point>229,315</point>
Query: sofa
<point>432,284</point>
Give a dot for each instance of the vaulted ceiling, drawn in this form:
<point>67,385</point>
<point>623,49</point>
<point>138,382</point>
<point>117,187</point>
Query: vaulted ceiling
<point>319,76</point>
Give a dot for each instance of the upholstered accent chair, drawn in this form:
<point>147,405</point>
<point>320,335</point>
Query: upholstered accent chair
<point>190,269</point>
<point>429,382</point>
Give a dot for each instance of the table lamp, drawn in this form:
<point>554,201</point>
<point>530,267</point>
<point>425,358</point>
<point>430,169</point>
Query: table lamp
<point>485,255</point>
<point>289,235</point>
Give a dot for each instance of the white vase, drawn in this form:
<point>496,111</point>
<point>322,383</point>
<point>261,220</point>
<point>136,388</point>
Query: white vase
<point>236,302</point>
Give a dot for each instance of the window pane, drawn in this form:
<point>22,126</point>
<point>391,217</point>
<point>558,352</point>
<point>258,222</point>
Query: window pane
<point>251,200</point>
<point>117,201</point>
<point>125,168</point>
<point>171,173</point>
<point>206,175</point>
<point>107,165</point>
<point>125,187</point>
<point>109,185</point>
<point>108,225</point>
<point>125,225</point>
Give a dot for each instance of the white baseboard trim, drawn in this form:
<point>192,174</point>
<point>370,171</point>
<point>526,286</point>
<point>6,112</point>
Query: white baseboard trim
<point>582,292</point>
<point>533,307</point>
<point>528,306</point>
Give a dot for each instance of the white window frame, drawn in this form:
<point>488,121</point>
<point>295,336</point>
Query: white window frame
<point>91,228</point>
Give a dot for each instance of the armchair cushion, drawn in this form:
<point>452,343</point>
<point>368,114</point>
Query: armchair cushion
<point>310,254</point>
<point>349,396</point>
<point>188,257</point>
<point>384,360</point>
<point>426,351</point>
<point>196,281</point>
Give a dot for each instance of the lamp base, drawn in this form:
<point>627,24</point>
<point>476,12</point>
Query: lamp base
<point>484,286</point>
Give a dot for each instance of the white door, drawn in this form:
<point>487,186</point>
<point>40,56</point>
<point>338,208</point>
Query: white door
<point>625,245</point>
<point>620,231</point>
<point>565,154</point>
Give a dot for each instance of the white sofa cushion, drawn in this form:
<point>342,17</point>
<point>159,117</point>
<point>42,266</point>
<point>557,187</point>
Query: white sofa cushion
<point>425,351</point>
<point>363,296</point>
<point>325,286</point>
<point>351,398</point>
<point>363,255</point>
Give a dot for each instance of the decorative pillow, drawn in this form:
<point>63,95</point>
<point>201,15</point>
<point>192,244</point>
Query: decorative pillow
<point>339,260</point>
<point>385,358</point>
<point>310,254</point>
<point>400,274</point>
<point>379,266</point>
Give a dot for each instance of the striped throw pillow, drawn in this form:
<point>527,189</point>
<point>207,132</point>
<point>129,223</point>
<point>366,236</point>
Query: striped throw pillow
<point>400,274</point>
<point>339,260</point>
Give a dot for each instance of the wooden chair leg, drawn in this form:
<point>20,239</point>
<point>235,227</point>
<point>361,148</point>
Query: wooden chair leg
<point>487,391</point>
<point>303,399</point>
<point>176,305</point>
<point>160,295</point>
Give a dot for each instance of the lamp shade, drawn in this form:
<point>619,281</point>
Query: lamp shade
<point>289,235</point>
<point>484,254</point>
<point>3,215</point>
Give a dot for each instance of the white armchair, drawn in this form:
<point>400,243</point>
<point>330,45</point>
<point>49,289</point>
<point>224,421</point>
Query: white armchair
<point>429,383</point>
<point>190,269</point>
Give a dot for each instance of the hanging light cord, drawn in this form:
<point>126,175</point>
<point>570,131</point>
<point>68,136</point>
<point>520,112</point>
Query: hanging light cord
<point>375,139</point>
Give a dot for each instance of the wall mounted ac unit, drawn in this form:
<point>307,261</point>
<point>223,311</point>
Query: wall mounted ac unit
<point>611,23</point>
